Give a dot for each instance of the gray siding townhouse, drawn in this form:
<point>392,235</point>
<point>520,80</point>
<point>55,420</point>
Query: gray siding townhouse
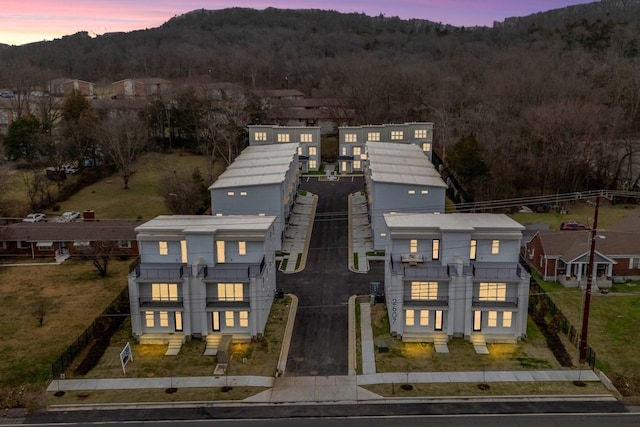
<point>202,276</point>
<point>307,138</point>
<point>400,179</point>
<point>263,180</point>
<point>352,140</point>
<point>455,275</point>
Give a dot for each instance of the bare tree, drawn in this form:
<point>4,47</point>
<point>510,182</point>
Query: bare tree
<point>185,193</point>
<point>100,253</point>
<point>41,307</point>
<point>124,138</point>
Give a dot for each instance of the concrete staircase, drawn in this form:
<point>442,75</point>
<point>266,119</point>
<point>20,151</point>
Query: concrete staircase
<point>175,344</point>
<point>479,344</point>
<point>213,341</point>
<point>440,344</point>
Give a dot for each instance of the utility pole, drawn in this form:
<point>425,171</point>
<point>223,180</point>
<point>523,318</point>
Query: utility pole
<point>587,292</point>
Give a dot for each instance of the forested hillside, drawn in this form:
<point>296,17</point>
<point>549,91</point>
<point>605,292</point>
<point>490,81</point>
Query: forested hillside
<point>549,102</point>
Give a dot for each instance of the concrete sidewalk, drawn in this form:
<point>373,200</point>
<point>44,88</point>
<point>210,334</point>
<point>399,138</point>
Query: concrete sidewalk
<point>298,232</point>
<point>360,234</point>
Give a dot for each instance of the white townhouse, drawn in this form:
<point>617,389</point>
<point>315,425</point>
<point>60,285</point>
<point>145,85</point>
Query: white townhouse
<point>202,276</point>
<point>263,181</point>
<point>399,179</point>
<point>308,138</point>
<point>455,275</point>
<point>352,140</point>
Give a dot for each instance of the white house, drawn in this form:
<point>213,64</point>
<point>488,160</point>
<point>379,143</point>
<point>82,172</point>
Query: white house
<point>263,180</point>
<point>203,276</point>
<point>307,138</point>
<point>399,179</point>
<point>352,140</point>
<point>455,275</point>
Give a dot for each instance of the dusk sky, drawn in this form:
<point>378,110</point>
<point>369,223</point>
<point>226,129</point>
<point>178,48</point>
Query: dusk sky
<point>26,21</point>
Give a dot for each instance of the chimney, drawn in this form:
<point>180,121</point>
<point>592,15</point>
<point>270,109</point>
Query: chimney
<point>88,215</point>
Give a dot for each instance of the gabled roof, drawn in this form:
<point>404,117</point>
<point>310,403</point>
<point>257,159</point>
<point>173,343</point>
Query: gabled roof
<point>572,244</point>
<point>277,93</point>
<point>111,230</point>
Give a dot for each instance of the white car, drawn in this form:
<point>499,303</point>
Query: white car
<point>69,168</point>
<point>35,217</point>
<point>68,216</point>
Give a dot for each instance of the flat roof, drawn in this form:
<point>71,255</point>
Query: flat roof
<point>451,221</point>
<point>200,223</point>
<point>401,164</point>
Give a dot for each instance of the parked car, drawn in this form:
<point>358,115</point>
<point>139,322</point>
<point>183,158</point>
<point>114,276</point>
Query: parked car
<point>68,216</point>
<point>524,209</point>
<point>572,225</point>
<point>35,217</point>
<point>69,168</point>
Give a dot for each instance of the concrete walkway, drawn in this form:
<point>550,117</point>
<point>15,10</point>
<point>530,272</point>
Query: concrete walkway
<point>366,340</point>
<point>298,232</point>
<point>360,234</point>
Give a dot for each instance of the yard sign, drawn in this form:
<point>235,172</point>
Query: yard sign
<point>125,356</point>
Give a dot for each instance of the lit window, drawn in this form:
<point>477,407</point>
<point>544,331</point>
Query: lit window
<point>220,251</point>
<point>343,151</point>
<point>261,136</point>
<point>435,249</point>
<point>473,249</point>
<point>243,193</point>
<point>306,137</point>
<point>357,151</point>
<point>229,319</point>
<point>477,321</point>
<point>351,137</point>
<point>383,234</point>
<point>344,166</point>
<point>397,135</point>
<point>426,146</point>
<point>183,251</point>
<point>411,192</point>
<point>424,317</point>
<point>242,248</point>
<point>424,192</point>
<point>438,325</point>
<point>164,291</point>
<point>299,151</point>
<point>312,164</point>
<point>178,319</point>
<point>363,156</point>
<point>493,292</point>
<point>356,164</point>
<point>313,151</point>
<point>163,248</point>
<point>373,136</point>
<point>420,133</point>
<point>506,319</point>
<point>283,137</point>
<point>230,292</point>
<point>492,319</point>
<point>424,290</point>
<point>262,214</point>
<point>409,318</point>
<point>149,319</point>
<point>413,246</point>
<point>244,319</point>
<point>164,319</point>
<point>219,214</point>
<point>495,247</point>
<point>230,193</point>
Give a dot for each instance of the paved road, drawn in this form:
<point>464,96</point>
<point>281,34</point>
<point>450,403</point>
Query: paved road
<point>319,341</point>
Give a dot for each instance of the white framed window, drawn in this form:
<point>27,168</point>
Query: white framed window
<point>424,317</point>
<point>312,164</point>
<point>229,319</point>
<point>243,193</point>
<point>231,193</point>
<point>495,247</point>
<point>124,244</point>
<point>163,248</point>
<point>424,291</point>
<point>149,319</point>
<point>634,263</point>
<point>492,319</point>
<point>261,136</point>
<point>24,245</point>
<point>220,251</point>
<point>356,164</point>
<point>283,137</point>
<point>424,192</point>
<point>435,249</point>
<point>473,248</point>
<point>242,248</point>
<point>230,292</point>
<point>420,133</point>
<point>183,251</point>
<point>164,291</point>
<point>397,135</point>
<point>409,317</point>
<point>373,136</point>
<point>306,137</point>
<point>351,137</point>
<point>357,151</point>
<point>507,317</point>
<point>413,246</point>
<point>492,292</point>
<point>164,319</point>
<point>313,151</point>
<point>243,319</point>
<point>426,146</point>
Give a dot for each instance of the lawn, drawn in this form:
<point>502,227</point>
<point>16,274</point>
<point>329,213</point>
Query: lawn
<point>581,212</point>
<point>614,320</point>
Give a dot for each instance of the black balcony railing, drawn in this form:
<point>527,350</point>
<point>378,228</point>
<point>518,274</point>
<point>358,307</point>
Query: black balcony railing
<point>216,302</point>
<point>160,302</point>
<point>511,271</point>
<point>167,273</point>
<point>487,303</point>
<point>441,301</point>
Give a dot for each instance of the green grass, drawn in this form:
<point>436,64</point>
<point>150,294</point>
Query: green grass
<point>580,212</point>
<point>355,260</point>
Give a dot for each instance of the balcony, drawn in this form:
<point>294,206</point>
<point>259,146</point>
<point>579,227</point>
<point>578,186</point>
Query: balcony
<point>503,271</point>
<point>218,303</point>
<point>160,303</point>
<point>431,270</point>
<point>231,272</point>
<point>505,303</point>
<point>159,272</point>
<point>441,301</point>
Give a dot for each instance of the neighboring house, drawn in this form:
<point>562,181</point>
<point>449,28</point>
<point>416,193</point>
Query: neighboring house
<point>274,97</point>
<point>54,240</point>
<point>328,114</point>
<point>7,115</point>
<point>64,87</point>
<point>142,87</point>
<point>563,256</point>
<point>399,178</point>
<point>203,276</point>
<point>308,139</point>
<point>352,140</point>
<point>263,180</point>
<point>455,275</point>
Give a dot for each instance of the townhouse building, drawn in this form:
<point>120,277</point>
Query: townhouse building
<point>455,275</point>
<point>202,276</point>
<point>352,141</point>
<point>307,138</point>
